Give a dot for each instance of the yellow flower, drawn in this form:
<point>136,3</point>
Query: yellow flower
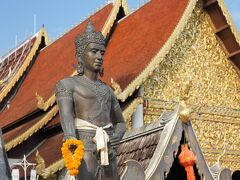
<point>72,161</point>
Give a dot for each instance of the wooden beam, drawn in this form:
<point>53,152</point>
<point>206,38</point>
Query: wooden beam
<point>209,3</point>
<point>234,53</point>
<point>222,28</point>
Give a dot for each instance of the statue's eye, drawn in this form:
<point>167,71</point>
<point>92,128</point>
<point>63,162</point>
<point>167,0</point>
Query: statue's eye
<point>93,50</point>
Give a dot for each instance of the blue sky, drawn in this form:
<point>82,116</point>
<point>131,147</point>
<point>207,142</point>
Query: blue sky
<point>58,16</point>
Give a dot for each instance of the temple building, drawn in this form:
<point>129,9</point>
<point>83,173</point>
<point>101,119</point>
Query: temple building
<point>175,68</point>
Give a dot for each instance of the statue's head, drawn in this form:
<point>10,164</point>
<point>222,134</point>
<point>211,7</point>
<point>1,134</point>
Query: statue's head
<point>90,49</point>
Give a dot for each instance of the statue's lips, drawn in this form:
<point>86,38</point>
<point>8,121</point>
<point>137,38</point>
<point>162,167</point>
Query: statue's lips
<point>98,63</point>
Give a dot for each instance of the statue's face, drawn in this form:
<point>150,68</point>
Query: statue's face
<point>93,57</point>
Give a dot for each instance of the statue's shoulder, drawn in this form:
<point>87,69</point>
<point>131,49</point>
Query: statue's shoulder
<point>106,86</point>
<point>66,83</point>
<point>110,90</point>
<point>102,83</point>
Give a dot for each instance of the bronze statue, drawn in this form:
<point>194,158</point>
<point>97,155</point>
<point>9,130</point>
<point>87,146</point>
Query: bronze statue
<point>89,110</point>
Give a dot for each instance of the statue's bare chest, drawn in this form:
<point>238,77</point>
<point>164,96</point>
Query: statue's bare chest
<point>92,99</point>
<point>89,90</point>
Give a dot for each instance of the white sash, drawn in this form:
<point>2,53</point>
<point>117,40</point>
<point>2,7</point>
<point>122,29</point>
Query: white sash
<point>69,177</point>
<point>101,138</point>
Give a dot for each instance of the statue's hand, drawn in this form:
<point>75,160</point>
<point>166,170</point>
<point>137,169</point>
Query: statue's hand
<point>117,134</point>
<point>112,153</point>
<point>72,148</point>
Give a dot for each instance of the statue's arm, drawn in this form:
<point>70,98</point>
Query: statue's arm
<point>117,120</point>
<point>119,123</point>
<point>66,110</point>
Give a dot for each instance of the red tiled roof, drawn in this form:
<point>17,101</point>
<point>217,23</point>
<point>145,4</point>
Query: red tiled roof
<point>46,150</point>
<point>53,63</point>
<point>14,133</point>
<point>138,38</point>
<point>15,59</point>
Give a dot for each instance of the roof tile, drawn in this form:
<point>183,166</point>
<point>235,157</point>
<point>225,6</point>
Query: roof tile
<point>138,37</point>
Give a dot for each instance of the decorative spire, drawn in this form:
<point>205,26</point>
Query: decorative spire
<point>40,101</point>
<point>40,163</point>
<point>184,112</point>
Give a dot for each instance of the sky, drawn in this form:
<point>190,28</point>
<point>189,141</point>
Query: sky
<point>58,16</point>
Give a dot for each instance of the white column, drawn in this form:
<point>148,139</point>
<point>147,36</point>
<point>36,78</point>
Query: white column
<point>137,117</point>
<point>15,174</point>
<point>33,174</point>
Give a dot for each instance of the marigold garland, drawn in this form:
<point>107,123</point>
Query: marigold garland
<point>72,161</point>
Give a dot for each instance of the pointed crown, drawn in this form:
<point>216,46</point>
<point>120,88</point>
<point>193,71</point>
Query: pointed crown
<point>89,36</point>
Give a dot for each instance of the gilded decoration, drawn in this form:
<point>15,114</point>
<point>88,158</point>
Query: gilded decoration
<point>116,87</point>
<point>40,163</point>
<point>111,18</point>
<point>214,96</point>
<point>40,101</point>
<point>184,112</point>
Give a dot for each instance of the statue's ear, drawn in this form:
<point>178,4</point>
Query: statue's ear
<point>80,67</point>
<point>79,58</point>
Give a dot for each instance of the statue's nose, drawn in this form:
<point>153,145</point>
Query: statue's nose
<point>99,55</point>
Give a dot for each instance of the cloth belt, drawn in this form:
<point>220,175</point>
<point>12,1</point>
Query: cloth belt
<point>101,138</point>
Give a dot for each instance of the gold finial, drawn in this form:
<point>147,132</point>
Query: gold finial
<point>184,112</point>
<point>116,87</point>
<point>184,92</point>
<point>40,163</point>
<point>40,101</point>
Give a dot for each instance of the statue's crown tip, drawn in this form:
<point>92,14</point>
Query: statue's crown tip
<point>89,28</point>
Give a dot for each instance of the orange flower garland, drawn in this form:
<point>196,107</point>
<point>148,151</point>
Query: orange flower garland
<point>72,161</point>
